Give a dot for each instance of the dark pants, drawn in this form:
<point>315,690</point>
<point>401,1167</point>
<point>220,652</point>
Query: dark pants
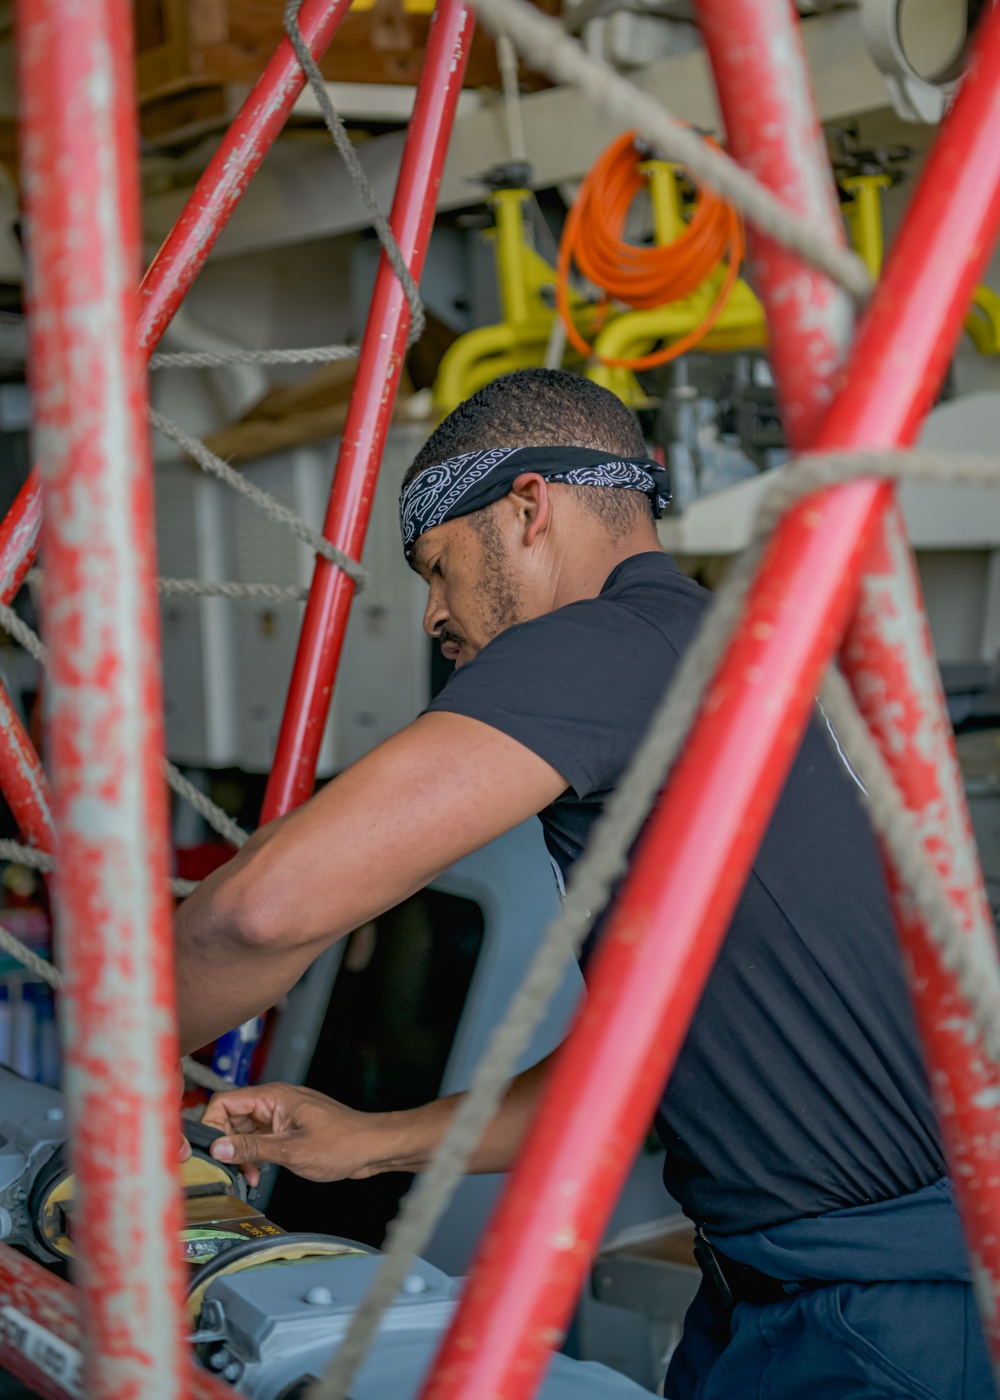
<point>914,1334</point>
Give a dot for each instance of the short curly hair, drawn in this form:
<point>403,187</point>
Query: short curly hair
<point>546,408</point>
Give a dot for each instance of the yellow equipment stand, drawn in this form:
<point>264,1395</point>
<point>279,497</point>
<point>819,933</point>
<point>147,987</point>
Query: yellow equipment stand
<point>526,283</point>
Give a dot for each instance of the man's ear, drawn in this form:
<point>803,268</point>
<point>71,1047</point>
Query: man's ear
<point>530,497</point>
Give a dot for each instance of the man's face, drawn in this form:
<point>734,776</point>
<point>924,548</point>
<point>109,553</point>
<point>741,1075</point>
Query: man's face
<point>474,593</point>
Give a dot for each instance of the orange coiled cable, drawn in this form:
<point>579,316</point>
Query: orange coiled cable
<point>644,277</point>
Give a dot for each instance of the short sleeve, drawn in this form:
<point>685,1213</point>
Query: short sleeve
<point>577,687</point>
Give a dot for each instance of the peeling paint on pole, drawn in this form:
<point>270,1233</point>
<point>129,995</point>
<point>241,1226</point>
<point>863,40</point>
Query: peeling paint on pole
<point>35,1302</point>
<point>773,130</point>
<point>888,657</point>
<point>105,710</point>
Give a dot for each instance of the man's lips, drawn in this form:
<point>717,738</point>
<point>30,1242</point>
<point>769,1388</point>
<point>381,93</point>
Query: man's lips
<point>450,648</point>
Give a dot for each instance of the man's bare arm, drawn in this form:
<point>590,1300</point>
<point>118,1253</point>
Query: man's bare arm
<point>322,1140</point>
<point>441,788</point>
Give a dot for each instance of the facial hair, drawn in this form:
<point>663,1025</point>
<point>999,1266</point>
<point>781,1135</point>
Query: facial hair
<point>501,593</point>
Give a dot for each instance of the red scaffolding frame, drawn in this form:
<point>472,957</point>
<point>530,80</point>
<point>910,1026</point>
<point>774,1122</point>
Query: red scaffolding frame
<point>837,575</point>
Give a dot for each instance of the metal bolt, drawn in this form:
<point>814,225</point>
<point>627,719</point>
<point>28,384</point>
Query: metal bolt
<point>6,1224</point>
<point>212,1315</point>
<point>415,1284</point>
<point>219,1359</point>
<point>233,1371</point>
<point>54,1115</point>
<point>319,1296</point>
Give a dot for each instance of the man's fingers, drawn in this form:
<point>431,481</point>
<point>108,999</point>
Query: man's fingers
<point>237,1106</point>
<point>241,1148</point>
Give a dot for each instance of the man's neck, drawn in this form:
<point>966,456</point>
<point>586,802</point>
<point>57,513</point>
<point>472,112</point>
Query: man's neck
<point>585,572</point>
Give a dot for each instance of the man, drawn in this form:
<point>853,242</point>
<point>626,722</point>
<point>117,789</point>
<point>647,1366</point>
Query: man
<point>797,1124</point>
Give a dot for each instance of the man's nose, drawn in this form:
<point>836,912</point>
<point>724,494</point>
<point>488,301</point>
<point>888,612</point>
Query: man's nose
<point>435,615</point>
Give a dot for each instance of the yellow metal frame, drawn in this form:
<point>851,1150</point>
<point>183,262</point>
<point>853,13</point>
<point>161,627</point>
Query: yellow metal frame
<point>863,213</point>
<point>527,283</point>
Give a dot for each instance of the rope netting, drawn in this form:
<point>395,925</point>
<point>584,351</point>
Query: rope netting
<point>274,510</point>
<point>970,952</point>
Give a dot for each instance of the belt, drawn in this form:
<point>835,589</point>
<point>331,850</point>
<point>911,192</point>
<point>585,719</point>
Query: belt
<point>733,1282</point>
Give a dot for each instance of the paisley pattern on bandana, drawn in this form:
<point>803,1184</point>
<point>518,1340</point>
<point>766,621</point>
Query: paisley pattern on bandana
<point>627,474</point>
<point>475,480</point>
<point>432,496</point>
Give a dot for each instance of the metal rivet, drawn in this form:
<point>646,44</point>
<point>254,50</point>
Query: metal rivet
<point>319,1296</point>
<point>415,1284</point>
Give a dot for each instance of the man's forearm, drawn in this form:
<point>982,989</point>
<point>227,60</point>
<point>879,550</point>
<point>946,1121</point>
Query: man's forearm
<point>407,1140</point>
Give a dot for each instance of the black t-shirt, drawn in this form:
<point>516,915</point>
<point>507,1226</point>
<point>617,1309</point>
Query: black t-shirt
<point>800,1088</point>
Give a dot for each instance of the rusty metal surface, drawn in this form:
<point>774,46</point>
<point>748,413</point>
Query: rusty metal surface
<point>46,1363</point>
<point>29,1291</point>
<point>105,711</point>
<point>888,657</point>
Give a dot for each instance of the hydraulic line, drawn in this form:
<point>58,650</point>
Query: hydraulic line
<point>644,277</point>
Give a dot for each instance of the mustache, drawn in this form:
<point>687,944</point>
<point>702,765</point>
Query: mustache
<point>445,635</point>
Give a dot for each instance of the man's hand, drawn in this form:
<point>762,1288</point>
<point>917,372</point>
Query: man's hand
<point>313,1136</point>
<point>323,1140</point>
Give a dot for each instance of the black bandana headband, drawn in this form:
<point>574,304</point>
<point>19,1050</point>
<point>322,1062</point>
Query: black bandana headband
<point>477,479</point>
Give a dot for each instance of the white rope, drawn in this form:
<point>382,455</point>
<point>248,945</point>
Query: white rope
<point>355,169</point>
<point>34,859</point>
<point>263,500</point>
<point>27,957</point>
<point>204,588</point>
<point>212,359</point>
<point>548,48</point>
<point>219,820</point>
<point>24,635</point>
<point>201,588</point>
<point>203,1077</point>
<point>605,861</point>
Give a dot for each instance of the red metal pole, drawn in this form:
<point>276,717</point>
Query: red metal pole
<point>183,253</point>
<point>773,129</point>
<point>697,850</point>
<point>19,537</point>
<point>379,368</point>
<point>40,1337</point>
<point>22,778</point>
<point>113,913</point>
<point>166,283</point>
<point>25,785</point>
